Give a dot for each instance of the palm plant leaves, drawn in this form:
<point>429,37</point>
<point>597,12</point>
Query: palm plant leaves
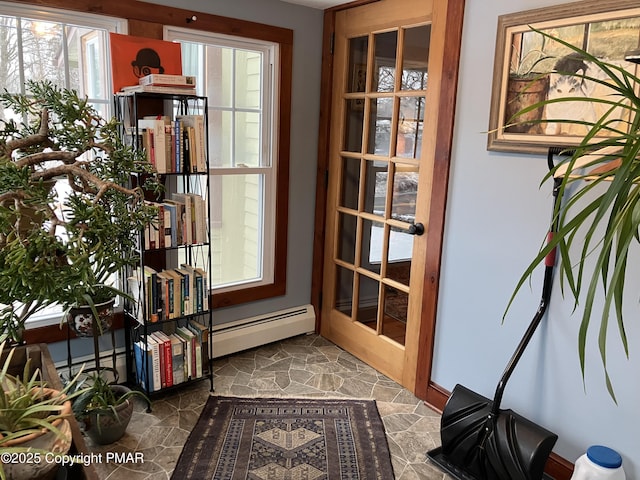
<point>599,219</point>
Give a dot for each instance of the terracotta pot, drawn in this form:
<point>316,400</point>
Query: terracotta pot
<point>80,318</point>
<point>522,92</point>
<point>45,440</point>
<point>103,427</point>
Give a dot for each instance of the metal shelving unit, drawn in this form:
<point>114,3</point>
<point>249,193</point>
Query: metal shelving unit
<point>150,311</point>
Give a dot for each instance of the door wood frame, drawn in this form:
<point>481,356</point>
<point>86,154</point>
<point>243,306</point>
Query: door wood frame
<point>448,17</point>
<point>447,24</point>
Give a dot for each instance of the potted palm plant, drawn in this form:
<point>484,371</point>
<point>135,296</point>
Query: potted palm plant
<point>68,205</point>
<point>600,217</point>
<point>105,408</point>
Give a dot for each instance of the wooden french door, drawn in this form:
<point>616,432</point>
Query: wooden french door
<point>381,162</point>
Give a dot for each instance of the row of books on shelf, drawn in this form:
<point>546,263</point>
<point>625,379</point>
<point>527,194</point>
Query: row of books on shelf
<point>168,294</point>
<point>167,359</point>
<point>173,145</point>
<point>181,220</point>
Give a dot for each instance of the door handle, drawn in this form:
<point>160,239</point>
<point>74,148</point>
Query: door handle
<point>416,229</point>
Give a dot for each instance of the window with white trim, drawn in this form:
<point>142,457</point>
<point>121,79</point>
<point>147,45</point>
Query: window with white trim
<point>237,75</point>
<point>68,48</point>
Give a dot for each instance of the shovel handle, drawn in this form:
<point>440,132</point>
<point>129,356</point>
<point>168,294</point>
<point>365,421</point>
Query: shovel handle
<point>549,262</point>
<point>550,259</point>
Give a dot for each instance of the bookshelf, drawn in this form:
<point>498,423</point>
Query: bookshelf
<point>168,318</point>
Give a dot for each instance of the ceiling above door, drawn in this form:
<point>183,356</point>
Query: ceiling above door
<point>319,4</point>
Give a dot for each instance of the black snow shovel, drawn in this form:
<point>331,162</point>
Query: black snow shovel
<point>480,441</point>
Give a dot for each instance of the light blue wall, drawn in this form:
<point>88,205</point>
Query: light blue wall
<point>497,216</point>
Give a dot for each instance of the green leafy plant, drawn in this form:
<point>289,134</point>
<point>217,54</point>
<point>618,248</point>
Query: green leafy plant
<point>599,219</point>
<point>102,398</point>
<point>64,249</point>
<point>28,406</point>
<point>526,67</point>
<point>97,394</point>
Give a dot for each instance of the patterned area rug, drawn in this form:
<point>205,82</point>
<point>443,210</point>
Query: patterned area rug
<point>286,439</point>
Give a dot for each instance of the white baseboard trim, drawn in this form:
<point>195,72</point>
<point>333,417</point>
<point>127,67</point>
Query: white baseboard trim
<point>253,332</point>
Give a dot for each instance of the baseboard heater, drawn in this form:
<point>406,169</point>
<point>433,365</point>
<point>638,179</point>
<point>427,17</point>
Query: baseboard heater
<point>253,332</point>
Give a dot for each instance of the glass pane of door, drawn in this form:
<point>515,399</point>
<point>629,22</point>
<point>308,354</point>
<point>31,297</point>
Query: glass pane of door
<point>379,183</point>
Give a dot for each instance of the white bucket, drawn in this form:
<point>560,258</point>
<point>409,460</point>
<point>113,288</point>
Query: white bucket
<point>599,463</point>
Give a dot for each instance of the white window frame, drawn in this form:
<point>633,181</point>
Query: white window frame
<point>53,314</point>
<point>269,143</point>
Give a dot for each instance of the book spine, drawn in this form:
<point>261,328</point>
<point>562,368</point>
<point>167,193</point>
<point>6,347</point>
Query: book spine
<point>201,148</point>
<point>199,369</point>
<point>168,227</point>
<point>161,236</point>
<point>172,311</point>
<point>166,352</point>
<point>155,366</point>
<point>177,146</point>
<point>166,297</point>
<point>203,338</point>
<point>161,371</point>
<point>160,146</point>
<point>186,147</point>
<point>197,342</point>
<point>199,294</point>
<point>168,147</point>
<point>141,376</point>
<point>168,362</point>
<point>194,359</point>
<point>153,296</point>
<point>177,359</point>
<point>188,355</point>
<point>149,367</point>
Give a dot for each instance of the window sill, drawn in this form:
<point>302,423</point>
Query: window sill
<point>46,331</point>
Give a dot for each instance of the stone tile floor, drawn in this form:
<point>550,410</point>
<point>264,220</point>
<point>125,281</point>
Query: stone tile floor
<point>304,366</point>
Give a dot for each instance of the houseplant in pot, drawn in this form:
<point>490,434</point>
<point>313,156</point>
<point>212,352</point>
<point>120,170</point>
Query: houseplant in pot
<point>33,419</point>
<point>599,219</point>
<point>528,83</point>
<point>69,208</point>
<point>105,408</point>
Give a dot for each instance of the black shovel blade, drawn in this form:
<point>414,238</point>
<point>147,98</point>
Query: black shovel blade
<point>505,446</point>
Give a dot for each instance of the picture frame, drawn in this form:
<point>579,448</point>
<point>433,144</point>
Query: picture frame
<point>134,57</point>
<point>605,28</point>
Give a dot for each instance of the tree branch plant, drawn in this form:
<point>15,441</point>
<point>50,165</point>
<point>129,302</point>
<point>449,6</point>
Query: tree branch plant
<point>69,211</point>
<point>599,219</point>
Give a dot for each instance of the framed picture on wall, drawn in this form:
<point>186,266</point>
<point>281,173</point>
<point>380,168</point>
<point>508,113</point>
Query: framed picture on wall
<point>135,57</point>
<point>527,70</point>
